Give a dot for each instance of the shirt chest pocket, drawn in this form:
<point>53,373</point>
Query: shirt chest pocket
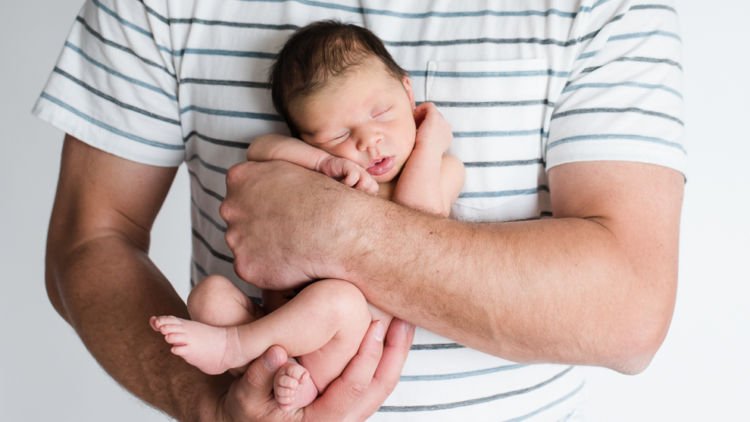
<point>497,110</point>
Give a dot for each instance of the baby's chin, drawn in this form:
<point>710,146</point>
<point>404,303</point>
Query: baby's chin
<point>390,177</point>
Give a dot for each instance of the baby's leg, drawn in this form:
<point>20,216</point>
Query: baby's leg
<point>215,301</point>
<point>331,310</point>
<point>328,314</point>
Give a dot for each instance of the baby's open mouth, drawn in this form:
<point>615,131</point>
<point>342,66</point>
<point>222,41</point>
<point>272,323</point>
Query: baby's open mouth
<point>381,166</point>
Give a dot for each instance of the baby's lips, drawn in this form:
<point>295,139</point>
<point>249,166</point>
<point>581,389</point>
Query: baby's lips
<point>375,162</point>
<point>381,166</point>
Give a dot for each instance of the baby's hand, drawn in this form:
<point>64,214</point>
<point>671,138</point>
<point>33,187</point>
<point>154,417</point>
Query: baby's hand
<point>433,131</point>
<point>348,173</point>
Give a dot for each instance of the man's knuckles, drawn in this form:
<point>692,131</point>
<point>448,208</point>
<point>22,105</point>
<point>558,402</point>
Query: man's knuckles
<point>237,173</point>
<point>243,267</point>
<point>227,211</point>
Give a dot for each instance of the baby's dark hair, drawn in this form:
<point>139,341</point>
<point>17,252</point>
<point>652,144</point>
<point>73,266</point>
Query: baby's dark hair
<point>317,52</point>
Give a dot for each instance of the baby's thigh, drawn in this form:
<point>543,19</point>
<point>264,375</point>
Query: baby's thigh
<point>342,304</point>
<point>377,314</point>
<point>217,301</point>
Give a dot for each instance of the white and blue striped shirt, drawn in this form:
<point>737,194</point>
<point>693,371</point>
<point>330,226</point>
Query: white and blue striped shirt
<point>526,86</point>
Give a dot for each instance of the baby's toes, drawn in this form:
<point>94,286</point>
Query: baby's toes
<point>284,393</point>
<point>181,350</point>
<point>178,339</point>
<point>160,322</point>
<point>297,372</point>
<point>287,382</point>
<point>284,400</point>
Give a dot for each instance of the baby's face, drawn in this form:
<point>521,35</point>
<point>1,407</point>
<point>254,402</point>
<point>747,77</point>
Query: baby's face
<point>365,115</point>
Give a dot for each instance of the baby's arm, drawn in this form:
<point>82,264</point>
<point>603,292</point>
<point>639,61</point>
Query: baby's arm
<point>279,147</point>
<point>431,179</point>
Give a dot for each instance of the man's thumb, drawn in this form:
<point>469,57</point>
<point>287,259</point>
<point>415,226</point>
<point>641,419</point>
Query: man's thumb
<point>259,375</point>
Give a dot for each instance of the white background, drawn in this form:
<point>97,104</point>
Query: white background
<point>701,373</point>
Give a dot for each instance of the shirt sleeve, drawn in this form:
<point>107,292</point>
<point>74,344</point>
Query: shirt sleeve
<point>114,85</point>
<point>623,99</point>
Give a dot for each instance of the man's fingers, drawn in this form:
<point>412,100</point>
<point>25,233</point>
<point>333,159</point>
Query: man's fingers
<point>250,397</point>
<point>397,344</point>
<point>257,382</point>
<point>367,380</point>
<point>358,374</point>
<point>349,396</point>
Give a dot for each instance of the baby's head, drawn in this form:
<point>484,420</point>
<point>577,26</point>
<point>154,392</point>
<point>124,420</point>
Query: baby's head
<point>340,90</point>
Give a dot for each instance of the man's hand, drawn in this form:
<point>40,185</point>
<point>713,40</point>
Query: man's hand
<point>363,386</point>
<point>285,223</point>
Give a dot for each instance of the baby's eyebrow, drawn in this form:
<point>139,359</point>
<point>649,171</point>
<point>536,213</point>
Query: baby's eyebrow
<point>310,136</point>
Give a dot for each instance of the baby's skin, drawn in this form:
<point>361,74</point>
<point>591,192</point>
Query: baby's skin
<point>217,344</point>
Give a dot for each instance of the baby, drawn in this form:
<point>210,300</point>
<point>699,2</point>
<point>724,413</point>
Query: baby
<point>351,112</point>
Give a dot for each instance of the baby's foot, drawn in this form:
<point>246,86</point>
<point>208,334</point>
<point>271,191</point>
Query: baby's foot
<point>203,346</point>
<point>293,387</point>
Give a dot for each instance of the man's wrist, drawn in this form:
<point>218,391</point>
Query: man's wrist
<point>367,225</point>
<point>207,404</point>
<point>355,227</point>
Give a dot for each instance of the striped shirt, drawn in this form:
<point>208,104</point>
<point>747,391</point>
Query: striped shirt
<point>526,86</point>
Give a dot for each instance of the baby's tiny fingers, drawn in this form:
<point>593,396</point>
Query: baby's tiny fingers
<point>370,185</point>
<point>351,178</point>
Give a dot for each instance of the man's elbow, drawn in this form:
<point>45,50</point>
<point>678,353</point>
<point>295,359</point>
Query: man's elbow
<point>637,354</point>
<point>56,264</point>
<point>53,288</point>
<point>637,345</point>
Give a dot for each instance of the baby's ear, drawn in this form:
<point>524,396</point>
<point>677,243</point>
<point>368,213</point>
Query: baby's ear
<point>406,82</point>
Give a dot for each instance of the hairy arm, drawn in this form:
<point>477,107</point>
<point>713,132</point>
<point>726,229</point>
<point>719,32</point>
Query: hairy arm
<point>595,285</point>
<point>101,281</point>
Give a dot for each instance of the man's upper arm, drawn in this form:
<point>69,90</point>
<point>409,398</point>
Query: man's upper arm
<point>615,149</point>
<point>639,205</point>
<point>99,194</point>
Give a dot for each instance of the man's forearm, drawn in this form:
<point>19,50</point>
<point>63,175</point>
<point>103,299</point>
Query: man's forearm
<point>557,290</point>
<point>471,283</point>
<point>594,285</point>
<point>107,288</point>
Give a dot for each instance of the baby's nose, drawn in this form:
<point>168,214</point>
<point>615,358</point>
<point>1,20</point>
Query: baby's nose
<point>368,141</point>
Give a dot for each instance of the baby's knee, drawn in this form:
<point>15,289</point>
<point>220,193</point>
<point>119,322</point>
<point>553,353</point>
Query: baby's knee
<point>210,293</point>
<point>342,298</point>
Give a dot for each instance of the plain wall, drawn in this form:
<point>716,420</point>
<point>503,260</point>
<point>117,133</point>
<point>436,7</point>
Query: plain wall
<point>702,371</point>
